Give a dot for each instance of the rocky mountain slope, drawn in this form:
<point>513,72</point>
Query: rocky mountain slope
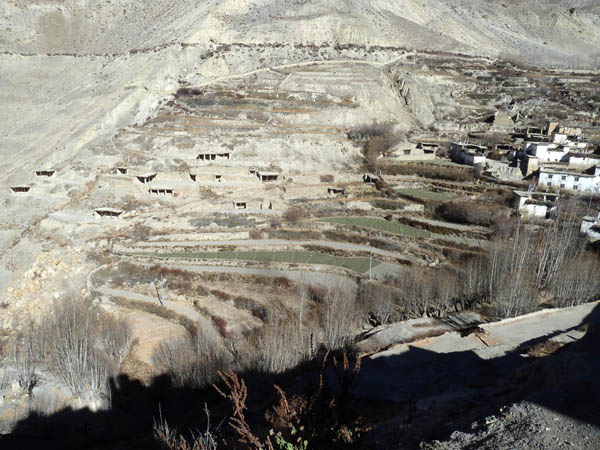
<point>545,31</point>
<point>77,71</point>
<point>118,100</point>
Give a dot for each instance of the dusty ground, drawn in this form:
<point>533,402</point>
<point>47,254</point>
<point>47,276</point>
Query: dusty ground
<point>525,425</point>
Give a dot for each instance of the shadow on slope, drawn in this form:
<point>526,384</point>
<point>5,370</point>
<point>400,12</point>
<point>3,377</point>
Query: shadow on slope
<point>418,395</point>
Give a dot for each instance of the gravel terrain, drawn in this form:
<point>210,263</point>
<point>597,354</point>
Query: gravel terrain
<point>524,425</point>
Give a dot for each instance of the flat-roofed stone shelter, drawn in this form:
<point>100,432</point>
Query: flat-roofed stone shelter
<point>212,156</point>
<point>20,188</point>
<point>265,176</point>
<point>161,190</point>
<point>108,212</point>
<point>44,173</point>
<point>145,178</point>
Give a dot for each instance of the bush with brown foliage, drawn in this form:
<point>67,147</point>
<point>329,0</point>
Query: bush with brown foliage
<point>255,233</point>
<point>425,170</point>
<point>221,295</point>
<point>472,213</point>
<point>221,325</point>
<point>277,346</point>
<point>294,214</point>
<point>323,416</point>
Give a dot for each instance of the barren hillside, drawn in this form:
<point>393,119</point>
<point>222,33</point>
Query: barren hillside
<point>77,71</point>
<point>236,166</point>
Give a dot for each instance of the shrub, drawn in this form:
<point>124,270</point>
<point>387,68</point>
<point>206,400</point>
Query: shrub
<point>425,170</point>
<point>283,282</point>
<point>170,439</point>
<point>140,232</point>
<point>221,295</point>
<point>473,213</point>
<point>294,214</point>
<point>321,417</point>
<point>255,234</point>
<point>194,359</point>
<point>221,325</point>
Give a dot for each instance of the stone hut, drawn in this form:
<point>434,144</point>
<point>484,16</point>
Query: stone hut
<point>108,212</point>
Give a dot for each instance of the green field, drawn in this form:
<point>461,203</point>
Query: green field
<point>428,195</point>
<point>401,229</point>
<point>378,224</point>
<point>357,264</point>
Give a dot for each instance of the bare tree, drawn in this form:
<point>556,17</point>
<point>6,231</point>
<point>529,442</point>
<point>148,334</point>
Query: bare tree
<point>378,301</point>
<point>81,347</point>
<point>278,346</point>
<point>194,359</point>
<point>339,317</point>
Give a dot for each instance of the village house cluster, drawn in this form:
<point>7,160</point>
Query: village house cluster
<point>554,157</point>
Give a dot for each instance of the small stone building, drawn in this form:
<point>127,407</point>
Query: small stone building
<point>213,156</point>
<point>265,176</point>
<point>44,173</point>
<point>108,212</point>
<point>20,188</point>
<point>161,190</point>
<point>537,204</point>
<point>587,181</point>
<point>412,152</point>
<point>470,154</point>
<point>335,191</point>
<point>146,178</point>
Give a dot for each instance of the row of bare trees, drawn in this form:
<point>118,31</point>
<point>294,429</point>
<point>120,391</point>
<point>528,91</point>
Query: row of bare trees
<point>532,265</point>
<point>321,319</point>
<point>79,343</point>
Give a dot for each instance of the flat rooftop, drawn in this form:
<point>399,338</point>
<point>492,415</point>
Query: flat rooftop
<point>527,194</point>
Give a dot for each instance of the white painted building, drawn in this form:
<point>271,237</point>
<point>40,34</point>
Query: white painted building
<point>546,151</point>
<point>583,160</point>
<point>590,227</point>
<point>538,204</point>
<point>588,181</point>
<point>412,152</point>
<point>469,154</point>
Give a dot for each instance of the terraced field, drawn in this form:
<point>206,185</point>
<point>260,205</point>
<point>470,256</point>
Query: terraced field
<point>427,195</point>
<point>378,224</point>
<point>356,264</point>
<point>401,229</point>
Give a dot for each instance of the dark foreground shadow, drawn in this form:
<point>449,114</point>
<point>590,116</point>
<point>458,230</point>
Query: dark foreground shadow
<point>426,395</point>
